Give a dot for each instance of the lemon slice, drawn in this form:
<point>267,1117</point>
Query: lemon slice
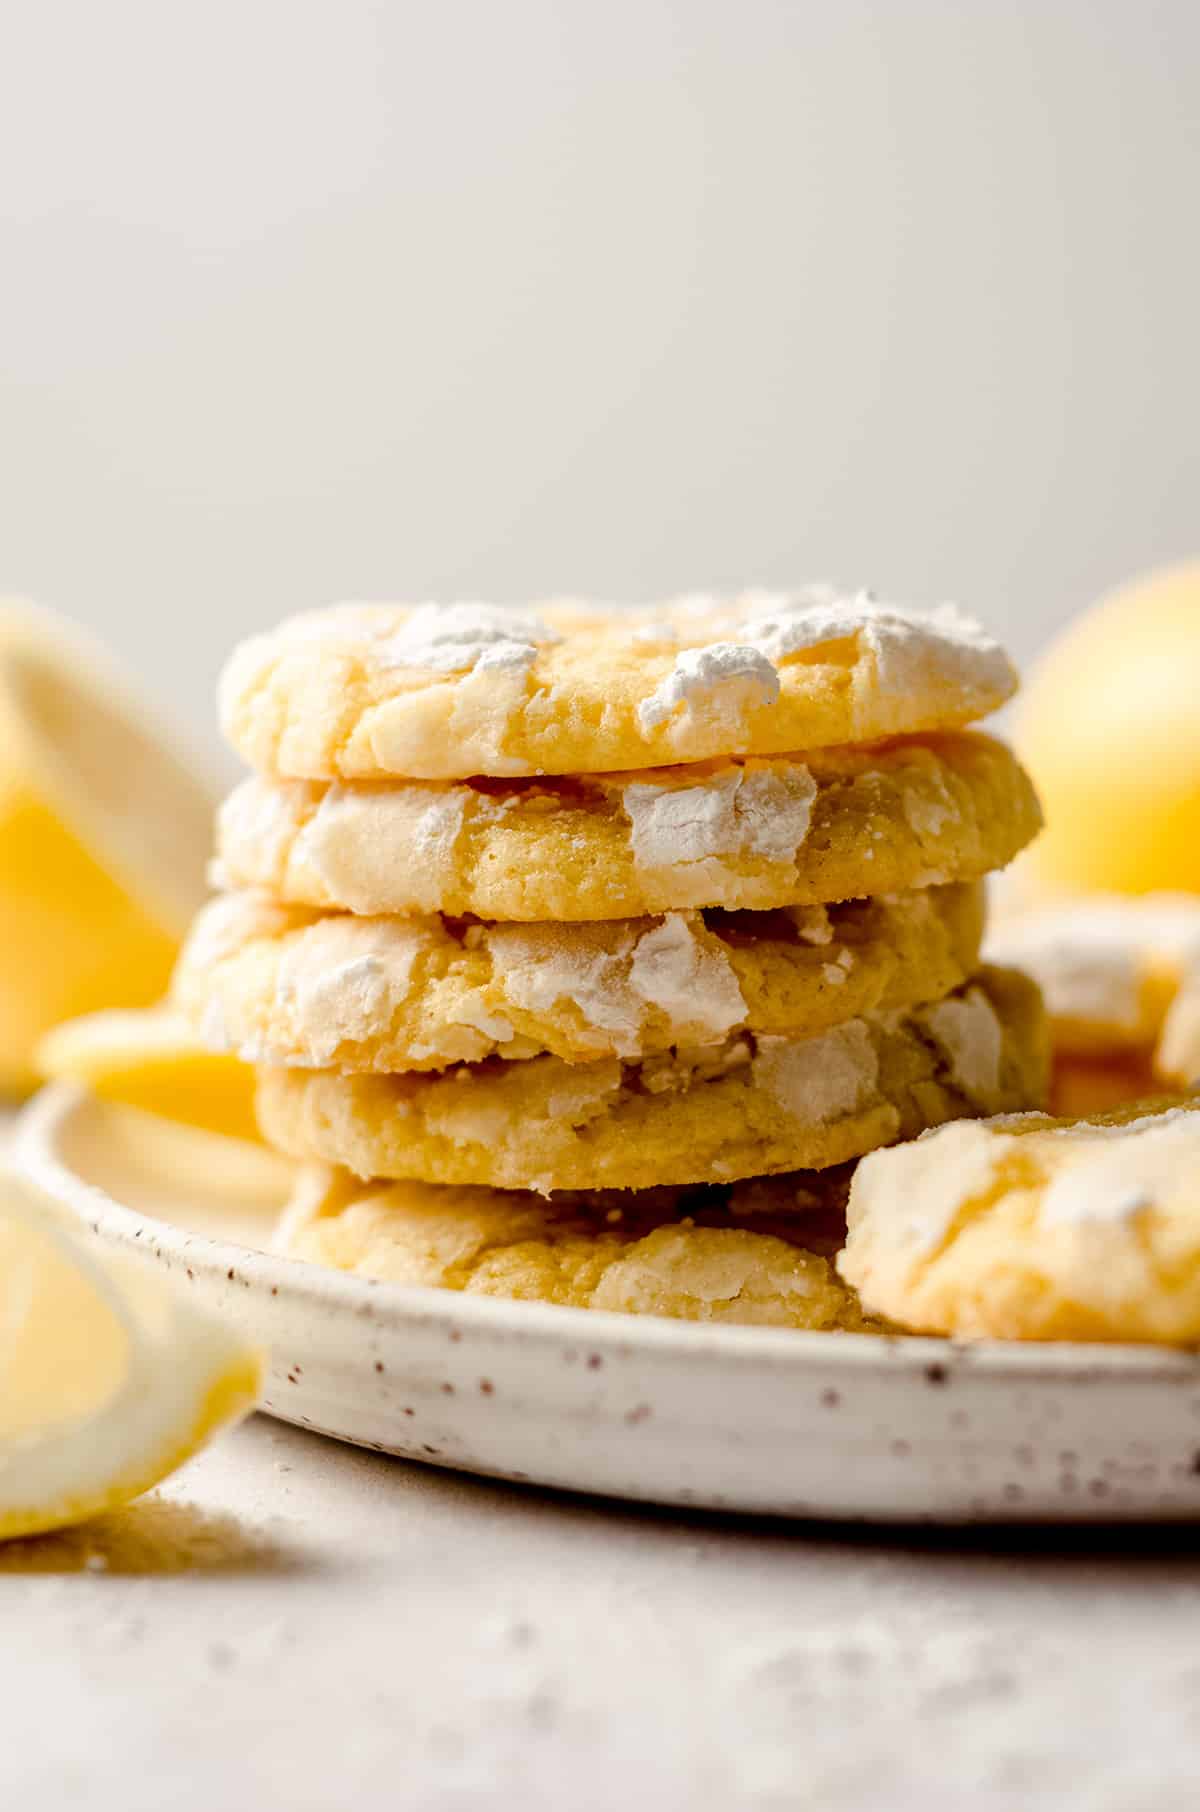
<point>152,1060</point>
<point>109,1380</point>
<point>103,838</point>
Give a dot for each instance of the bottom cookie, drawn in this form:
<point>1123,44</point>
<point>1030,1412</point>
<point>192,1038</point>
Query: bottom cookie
<point>750,1106</point>
<point>758,1254</point>
<point>1031,1228</point>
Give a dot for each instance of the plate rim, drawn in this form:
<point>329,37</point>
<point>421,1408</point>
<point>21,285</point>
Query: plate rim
<point>35,1155</point>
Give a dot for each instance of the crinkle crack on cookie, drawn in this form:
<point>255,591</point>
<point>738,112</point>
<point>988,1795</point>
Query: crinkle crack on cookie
<point>750,835</point>
<point>749,1105</point>
<point>1032,1228</point>
<point>284,986</point>
<point>631,1254</point>
<point>369,692</point>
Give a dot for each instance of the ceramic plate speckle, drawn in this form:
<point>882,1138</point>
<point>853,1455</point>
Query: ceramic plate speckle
<point>677,1413</point>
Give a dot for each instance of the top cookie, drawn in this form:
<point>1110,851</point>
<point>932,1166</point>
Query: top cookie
<point>362,691</point>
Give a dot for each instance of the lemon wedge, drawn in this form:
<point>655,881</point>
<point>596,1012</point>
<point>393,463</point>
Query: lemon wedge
<point>109,1379</point>
<point>104,834</point>
<point>153,1060</point>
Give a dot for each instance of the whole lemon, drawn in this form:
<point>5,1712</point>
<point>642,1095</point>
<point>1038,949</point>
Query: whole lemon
<point>1111,731</point>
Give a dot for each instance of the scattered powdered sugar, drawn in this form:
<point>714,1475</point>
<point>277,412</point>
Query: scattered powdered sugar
<point>726,679</point>
<point>970,1035</point>
<point>820,1079</point>
<point>450,638</point>
<point>761,811</point>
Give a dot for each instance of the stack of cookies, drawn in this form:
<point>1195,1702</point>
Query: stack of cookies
<point>580,951</point>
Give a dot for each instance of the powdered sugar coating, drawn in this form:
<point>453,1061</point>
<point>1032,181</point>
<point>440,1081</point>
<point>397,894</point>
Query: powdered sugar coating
<point>344,857</point>
<point>690,981</point>
<point>371,692</point>
<point>330,998</point>
<point>755,835</point>
<point>692,829</point>
<point>294,987</point>
<point>1029,1228</point>
<point>1110,1182</point>
<point>725,679</point>
<point>971,1036</point>
<point>744,1106</point>
<point>819,1080</point>
<point>452,638</point>
<point>895,634</point>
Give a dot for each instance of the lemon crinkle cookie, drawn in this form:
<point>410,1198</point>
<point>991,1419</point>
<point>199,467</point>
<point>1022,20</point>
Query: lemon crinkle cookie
<point>287,986</point>
<point>1109,966</point>
<point>687,1259</point>
<point>749,835</point>
<point>362,692</point>
<point>749,1105</point>
<point>1032,1228</point>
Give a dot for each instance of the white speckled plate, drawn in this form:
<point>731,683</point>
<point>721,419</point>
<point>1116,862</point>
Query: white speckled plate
<point>678,1413</point>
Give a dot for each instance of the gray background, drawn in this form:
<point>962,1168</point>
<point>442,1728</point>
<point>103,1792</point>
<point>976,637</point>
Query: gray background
<point>307,300</point>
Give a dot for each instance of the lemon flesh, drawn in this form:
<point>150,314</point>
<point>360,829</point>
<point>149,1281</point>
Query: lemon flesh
<point>1111,734</point>
<point>109,1379</point>
<point>153,1060</point>
<point>103,839</point>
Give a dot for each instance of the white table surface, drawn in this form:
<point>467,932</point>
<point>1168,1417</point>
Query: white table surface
<point>294,1624</point>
